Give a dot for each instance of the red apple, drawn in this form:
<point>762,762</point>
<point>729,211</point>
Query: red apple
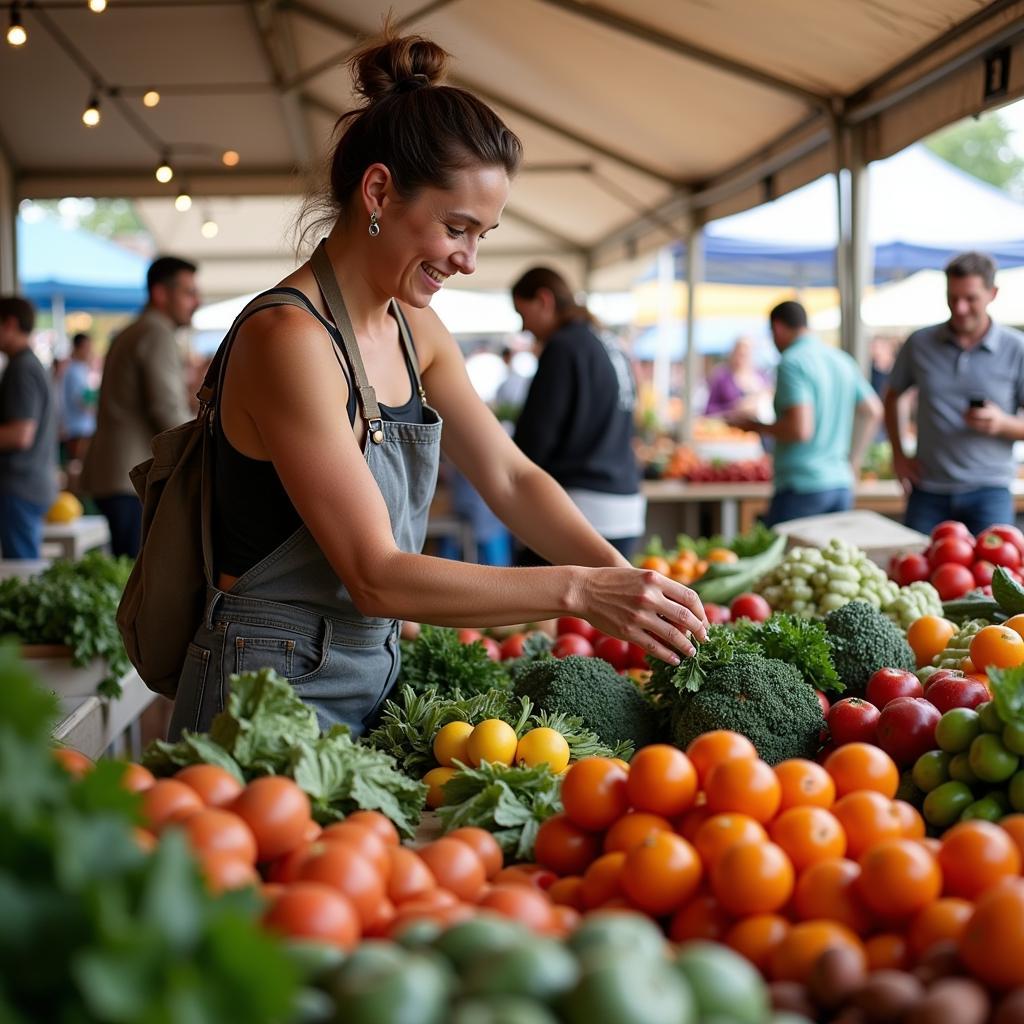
<point>906,729</point>
<point>957,692</point>
<point>572,643</point>
<point>909,568</point>
<point>853,720</point>
<point>957,550</point>
<point>614,651</point>
<point>718,615</point>
<point>992,547</point>
<point>572,624</point>
<point>952,581</point>
<point>982,573</point>
<point>889,683</point>
<point>750,606</point>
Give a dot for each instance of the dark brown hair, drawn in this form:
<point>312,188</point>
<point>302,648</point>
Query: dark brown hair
<point>971,264</point>
<point>790,314</point>
<point>21,309</point>
<point>423,132</point>
<point>566,306</point>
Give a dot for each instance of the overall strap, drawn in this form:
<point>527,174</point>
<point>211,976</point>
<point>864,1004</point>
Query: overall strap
<point>324,273</point>
<point>410,349</point>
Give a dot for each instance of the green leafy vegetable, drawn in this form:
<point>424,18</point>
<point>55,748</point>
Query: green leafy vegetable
<point>73,604</point>
<point>512,803</point>
<point>721,647</point>
<point>436,660</point>
<point>800,642</point>
<point>1007,686</point>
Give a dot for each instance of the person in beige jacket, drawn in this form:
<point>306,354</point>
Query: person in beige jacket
<point>143,393</point>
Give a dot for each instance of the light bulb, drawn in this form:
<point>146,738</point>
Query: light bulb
<point>183,202</point>
<point>91,114</point>
<point>230,158</point>
<point>151,98</point>
<point>16,34</point>
<point>97,6</point>
<point>164,173</point>
<point>209,228</point>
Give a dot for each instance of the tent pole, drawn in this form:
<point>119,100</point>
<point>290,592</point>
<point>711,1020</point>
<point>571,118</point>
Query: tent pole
<point>662,357</point>
<point>843,240</point>
<point>60,337</point>
<point>694,273</point>
<point>8,232</point>
<point>861,255</point>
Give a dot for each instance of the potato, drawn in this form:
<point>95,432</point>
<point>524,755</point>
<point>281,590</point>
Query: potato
<point>792,997</point>
<point>887,995</point>
<point>952,1001</point>
<point>836,975</point>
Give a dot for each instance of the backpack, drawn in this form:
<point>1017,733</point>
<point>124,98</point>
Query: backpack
<point>165,597</point>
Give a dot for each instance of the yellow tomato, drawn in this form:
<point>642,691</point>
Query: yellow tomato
<point>1016,623</point>
<point>450,743</point>
<point>928,637</point>
<point>435,779</point>
<point>543,746</point>
<point>492,740</point>
<point>997,647</point>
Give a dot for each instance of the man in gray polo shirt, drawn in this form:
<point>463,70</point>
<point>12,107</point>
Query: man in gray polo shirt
<point>969,376</point>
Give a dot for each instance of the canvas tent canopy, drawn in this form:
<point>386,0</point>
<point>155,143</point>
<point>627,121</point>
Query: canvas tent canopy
<point>639,118</point>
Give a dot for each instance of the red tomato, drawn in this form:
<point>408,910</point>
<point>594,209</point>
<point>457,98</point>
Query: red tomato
<point>993,547</point>
<point>512,646</point>
<point>982,573</point>
<point>951,528</point>
<point>906,729</point>
<point>952,581</point>
<point>910,568</point>
<point>717,614</point>
<point>637,657</point>
<point>852,720</point>
<point>491,647</point>
<point>572,643</point>
<point>889,683</point>
<point>1010,533</point>
<point>750,606</point>
<point>614,651</point>
<point>956,692</point>
<point>957,550</point>
<point>824,702</point>
<point>572,624</point>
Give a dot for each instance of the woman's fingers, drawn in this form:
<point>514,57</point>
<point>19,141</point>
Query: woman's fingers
<point>672,635</point>
<point>657,649</point>
<point>688,598</point>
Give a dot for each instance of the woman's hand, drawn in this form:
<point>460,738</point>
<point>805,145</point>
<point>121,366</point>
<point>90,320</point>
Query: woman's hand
<point>645,608</point>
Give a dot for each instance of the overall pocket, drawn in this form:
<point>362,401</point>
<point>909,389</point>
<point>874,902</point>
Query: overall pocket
<point>192,703</point>
<point>292,655</point>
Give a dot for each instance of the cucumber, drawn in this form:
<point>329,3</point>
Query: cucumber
<point>1007,592</point>
<point>964,608</point>
<point>725,580</point>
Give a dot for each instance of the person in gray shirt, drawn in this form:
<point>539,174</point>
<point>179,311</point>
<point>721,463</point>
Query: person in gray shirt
<point>969,376</point>
<point>28,435</point>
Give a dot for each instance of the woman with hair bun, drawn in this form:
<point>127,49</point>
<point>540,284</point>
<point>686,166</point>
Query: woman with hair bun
<point>327,431</point>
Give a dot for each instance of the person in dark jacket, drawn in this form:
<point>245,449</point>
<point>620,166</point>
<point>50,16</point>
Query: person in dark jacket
<point>577,422</point>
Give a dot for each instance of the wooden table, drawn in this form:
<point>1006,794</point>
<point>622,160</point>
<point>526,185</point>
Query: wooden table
<point>72,540</point>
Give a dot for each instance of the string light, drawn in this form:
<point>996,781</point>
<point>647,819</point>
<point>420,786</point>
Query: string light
<point>230,158</point>
<point>183,202</point>
<point>91,114</point>
<point>97,6</point>
<point>16,34</point>
<point>209,228</point>
<point>151,98</point>
<point>164,172</point>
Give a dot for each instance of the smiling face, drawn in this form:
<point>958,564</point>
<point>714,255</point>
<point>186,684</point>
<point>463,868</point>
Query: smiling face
<point>433,236</point>
<point>968,299</point>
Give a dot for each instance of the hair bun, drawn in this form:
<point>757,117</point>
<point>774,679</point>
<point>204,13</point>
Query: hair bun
<point>393,64</point>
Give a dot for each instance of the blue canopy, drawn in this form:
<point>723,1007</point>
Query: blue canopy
<point>86,271</point>
<point>922,212</point>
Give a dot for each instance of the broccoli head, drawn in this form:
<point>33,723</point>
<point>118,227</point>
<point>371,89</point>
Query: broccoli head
<point>863,640</point>
<point>765,699</point>
<point>608,703</point>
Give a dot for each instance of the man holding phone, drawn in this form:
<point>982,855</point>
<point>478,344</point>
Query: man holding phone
<point>969,377</point>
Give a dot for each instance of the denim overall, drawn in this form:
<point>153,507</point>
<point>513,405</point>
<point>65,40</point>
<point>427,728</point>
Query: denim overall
<point>289,612</point>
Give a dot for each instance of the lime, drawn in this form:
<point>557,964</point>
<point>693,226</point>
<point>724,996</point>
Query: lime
<point>1013,737</point>
<point>468,941</point>
<point>990,760</point>
<point>1015,790</point>
<point>957,728</point>
<point>619,933</point>
<point>989,716</point>
<point>630,990</point>
<point>931,770</point>
<point>723,982</point>
<point>960,769</point>
<point>541,969</point>
<point>944,804</point>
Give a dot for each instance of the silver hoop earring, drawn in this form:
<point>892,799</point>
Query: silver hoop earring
<point>374,225</point>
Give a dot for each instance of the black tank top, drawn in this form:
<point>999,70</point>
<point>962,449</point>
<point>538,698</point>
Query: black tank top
<point>252,513</point>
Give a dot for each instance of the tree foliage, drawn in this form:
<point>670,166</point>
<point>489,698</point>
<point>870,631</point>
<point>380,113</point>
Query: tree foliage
<point>983,147</point>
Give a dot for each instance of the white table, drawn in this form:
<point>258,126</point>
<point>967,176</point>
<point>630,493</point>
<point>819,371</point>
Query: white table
<point>21,568</point>
<point>72,540</point>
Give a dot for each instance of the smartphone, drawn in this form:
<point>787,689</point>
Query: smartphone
<point>978,403</point>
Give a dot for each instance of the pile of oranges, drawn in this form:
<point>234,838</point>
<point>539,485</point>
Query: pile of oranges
<point>783,863</point>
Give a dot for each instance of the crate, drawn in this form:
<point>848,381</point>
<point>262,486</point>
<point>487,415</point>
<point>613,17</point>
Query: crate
<point>879,538</point>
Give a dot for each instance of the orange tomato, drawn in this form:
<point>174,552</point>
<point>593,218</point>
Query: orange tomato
<point>720,831</point>
<point>702,918</point>
<point>716,747</point>
<point>216,786</point>
<point>74,762</point>
<point>807,835</point>
<point>529,907</point>
<point>344,868</point>
<point>379,823</point>
<point>828,891</point>
<point>797,953</point>
<point>940,921</point>
<point>662,780</point>
<point>757,937</point>
<point>898,878</point>
<point>602,881</point>
<point>1016,623</point>
<point>867,818</point>
<point>456,867</point>
<point>690,823</point>
<point>564,920</point>
<point>855,766</point>
<point>632,829</point>
<point>656,563</point>
<point>722,555</point>
<point>804,783</point>
<point>568,892</point>
<point>594,793</point>
<point>365,840</point>
<point>661,874</point>
<point>992,943</point>
<point>997,647</point>
<point>308,910</point>
<point>928,636</point>
<point>913,823</point>
<point>887,951</point>
<point>223,871</point>
<point>381,924</point>
<point>744,785</point>
<point>752,878</point>
<point>277,811</point>
<point>136,779</point>
<point>564,847</point>
<point>212,830</point>
<point>409,877</point>
<point>167,801</point>
<point>486,846</point>
<point>533,875</point>
<point>1013,825</point>
<point>976,855</point>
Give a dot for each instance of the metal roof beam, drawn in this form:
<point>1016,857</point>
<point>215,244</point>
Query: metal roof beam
<point>113,182</point>
<point>566,243</point>
<point>680,47</point>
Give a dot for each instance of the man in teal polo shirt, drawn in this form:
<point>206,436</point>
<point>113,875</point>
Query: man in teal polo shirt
<point>825,414</point>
